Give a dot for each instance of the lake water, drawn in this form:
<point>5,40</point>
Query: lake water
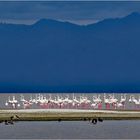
<point>71,130</point>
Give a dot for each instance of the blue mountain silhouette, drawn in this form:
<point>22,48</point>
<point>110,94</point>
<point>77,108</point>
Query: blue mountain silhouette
<point>54,56</point>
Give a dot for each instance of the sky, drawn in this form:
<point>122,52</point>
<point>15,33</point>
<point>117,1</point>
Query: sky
<point>73,11</point>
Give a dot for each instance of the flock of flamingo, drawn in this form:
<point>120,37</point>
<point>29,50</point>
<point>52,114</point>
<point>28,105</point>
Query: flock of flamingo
<point>107,101</point>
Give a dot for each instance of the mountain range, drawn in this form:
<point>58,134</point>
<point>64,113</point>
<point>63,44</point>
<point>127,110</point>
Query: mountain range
<point>55,56</point>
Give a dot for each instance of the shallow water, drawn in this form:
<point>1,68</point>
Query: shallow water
<point>71,130</point>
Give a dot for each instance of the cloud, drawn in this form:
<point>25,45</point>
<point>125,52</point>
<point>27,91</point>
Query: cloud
<point>65,10</point>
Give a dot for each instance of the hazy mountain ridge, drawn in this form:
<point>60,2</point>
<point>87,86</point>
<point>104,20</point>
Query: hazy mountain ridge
<point>59,56</point>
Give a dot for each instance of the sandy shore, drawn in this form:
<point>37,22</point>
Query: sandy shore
<point>69,114</point>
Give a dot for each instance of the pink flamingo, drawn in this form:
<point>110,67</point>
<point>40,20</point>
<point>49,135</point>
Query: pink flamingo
<point>107,102</point>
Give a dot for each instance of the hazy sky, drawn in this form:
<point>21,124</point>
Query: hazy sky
<point>77,12</point>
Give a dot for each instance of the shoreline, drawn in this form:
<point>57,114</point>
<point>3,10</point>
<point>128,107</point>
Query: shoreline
<point>68,114</point>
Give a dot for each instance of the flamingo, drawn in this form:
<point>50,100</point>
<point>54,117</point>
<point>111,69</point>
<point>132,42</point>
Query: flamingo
<point>84,102</point>
<point>67,102</point>
<point>26,104</point>
<point>94,105</point>
<point>119,104</point>
<point>123,100</point>
<point>97,100</point>
<point>60,101</point>
<point>6,103</point>
<point>130,100</point>
<point>9,102</point>
<point>107,102</point>
<point>14,103</point>
<point>113,101</point>
<point>136,102</point>
<point>75,103</point>
<point>42,102</point>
